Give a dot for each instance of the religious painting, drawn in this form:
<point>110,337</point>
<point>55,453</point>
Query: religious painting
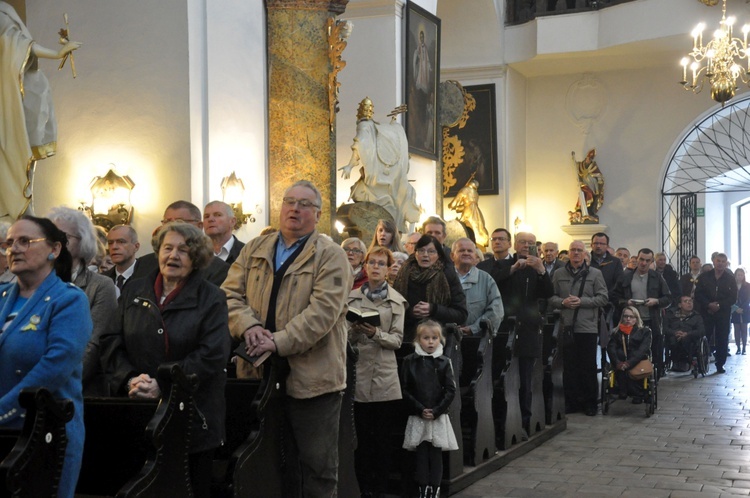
<point>422,76</point>
<point>473,146</point>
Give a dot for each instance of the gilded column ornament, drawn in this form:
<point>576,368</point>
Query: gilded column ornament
<point>453,149</point>
<point>338,33</point>
<point>301,138</point>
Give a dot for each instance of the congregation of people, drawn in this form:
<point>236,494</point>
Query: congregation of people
<point>83,316</point>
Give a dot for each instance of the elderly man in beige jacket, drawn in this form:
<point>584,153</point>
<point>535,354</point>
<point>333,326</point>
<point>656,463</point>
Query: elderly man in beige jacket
<point>287,293</point>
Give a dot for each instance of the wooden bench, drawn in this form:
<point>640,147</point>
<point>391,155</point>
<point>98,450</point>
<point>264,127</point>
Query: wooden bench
<point>554,394</point>
<point>475,383</point>
<point>139,447</point>
<point>453,461</point>
<point>258,466</point>
<point>33,457</point>
<point>506,408</point>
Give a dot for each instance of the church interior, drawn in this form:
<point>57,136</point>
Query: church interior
<point>177,95</point>
<point>557,118</point>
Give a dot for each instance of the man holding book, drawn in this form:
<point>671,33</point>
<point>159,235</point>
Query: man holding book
<point>287,293</point>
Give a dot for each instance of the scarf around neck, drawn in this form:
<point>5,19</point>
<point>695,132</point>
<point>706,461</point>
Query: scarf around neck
<point>435,354</point>
<point>433,278</point>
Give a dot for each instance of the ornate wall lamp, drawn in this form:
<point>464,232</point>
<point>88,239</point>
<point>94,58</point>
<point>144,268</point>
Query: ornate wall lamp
<point>233,191</point>
<point>110,204</point>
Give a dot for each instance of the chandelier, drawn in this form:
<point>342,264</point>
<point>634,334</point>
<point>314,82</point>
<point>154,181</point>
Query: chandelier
<point>718,60</point>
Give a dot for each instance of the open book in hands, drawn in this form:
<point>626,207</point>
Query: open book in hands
<point>355,315</point>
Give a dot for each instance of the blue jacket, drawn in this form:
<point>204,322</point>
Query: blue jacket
<point>43,347</point>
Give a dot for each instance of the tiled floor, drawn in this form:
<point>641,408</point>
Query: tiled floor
<point>696,445</point>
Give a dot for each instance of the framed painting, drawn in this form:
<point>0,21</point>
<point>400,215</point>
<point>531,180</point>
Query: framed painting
<point>478,142</point>
<point>421,79</point>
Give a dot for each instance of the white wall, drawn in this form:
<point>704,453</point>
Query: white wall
<point>646,112</point>
<point>173,102</point>
<point>128,106</point>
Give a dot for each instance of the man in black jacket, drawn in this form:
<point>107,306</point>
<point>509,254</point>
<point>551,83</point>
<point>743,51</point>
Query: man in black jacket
<point>715,293</point>
<point>682,331</point>
<point>669,275</point>
<point>218,223</point>
<point>523,281</point>
<point>648,292</point>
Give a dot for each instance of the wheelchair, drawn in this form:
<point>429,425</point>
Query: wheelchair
<point>609,390</point>
<point>699,358</point>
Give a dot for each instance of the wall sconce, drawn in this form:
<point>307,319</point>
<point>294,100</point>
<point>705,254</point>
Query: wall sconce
<point>110,204</point>
<point>233,191</point>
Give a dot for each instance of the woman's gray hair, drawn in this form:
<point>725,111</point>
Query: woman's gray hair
<point>200,248</point>
<point>402,256</point>
<point>354,240</point>
<point>84,228</point>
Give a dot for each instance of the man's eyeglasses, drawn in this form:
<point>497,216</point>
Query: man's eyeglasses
<point>303,203</point>
<point>499,239</point>
<point>21,244</point>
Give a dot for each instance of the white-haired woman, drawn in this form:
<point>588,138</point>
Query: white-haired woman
<point>99,290</point>
<point>355,252</point>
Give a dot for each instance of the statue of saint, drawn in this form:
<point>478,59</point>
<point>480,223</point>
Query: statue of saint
<point>381,151</point>
<point>466,204</point>
<point>591,190</point>
<point>28,129</point>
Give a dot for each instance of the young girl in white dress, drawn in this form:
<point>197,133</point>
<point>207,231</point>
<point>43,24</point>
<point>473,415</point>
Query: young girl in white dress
<point>428,388</point>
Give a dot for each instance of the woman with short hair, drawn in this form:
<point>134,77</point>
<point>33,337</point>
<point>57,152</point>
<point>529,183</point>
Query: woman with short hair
<point>175,315</point>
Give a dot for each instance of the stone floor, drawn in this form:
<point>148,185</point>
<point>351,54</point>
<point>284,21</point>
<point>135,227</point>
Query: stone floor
<point>696,445</point>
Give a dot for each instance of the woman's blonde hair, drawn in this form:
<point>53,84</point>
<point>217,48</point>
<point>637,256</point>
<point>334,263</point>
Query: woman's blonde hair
<point>429,325</point>
<point>635,312</point>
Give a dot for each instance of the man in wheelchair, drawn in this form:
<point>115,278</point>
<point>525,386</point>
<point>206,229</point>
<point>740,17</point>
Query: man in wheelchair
<point>683,332</point>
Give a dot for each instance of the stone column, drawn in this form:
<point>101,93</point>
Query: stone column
<point>301,134</point>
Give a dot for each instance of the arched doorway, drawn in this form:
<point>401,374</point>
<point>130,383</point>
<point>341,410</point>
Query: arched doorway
<point>713,157</point>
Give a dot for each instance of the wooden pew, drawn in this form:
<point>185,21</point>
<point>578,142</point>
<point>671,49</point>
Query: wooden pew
<point>139,447</point>
<point>506,408</point>
<point>538,418</point>
<point>554,394</point>
<point>260,465</point>
<point>33,456</point>
<point>476,396</point>
<point>453,461</point>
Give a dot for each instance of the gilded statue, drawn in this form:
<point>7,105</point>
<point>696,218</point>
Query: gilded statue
<point>466,204</point>
<point>27,121</point>
<point>590,190</point>
<point>381,152</point>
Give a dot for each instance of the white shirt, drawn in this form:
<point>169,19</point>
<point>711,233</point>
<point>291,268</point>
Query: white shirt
<point>223,253</point>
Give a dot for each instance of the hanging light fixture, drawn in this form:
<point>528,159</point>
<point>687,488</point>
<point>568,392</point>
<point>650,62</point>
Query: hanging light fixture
<point>718,60</point>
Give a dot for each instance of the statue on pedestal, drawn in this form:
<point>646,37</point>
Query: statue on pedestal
<point>27,121</point>
<point>382,153</point>
<point>591,190</point>
<point>466,204</point>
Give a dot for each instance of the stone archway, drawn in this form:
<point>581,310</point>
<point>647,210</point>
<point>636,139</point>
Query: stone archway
<point>713,156</point>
